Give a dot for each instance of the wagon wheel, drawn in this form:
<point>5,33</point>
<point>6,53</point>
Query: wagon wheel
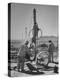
<point>42,57</point>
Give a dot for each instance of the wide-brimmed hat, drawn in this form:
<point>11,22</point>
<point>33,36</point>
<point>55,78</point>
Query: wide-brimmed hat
<point>50,41</point>
<point>26,42</point>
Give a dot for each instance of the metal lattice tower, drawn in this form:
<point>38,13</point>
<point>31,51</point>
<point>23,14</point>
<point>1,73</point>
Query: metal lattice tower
<point>25,32</point>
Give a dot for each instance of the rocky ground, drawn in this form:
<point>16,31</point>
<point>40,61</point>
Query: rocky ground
<point>46,71</point>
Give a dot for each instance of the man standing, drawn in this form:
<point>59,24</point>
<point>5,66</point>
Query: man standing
<point>50,50</point>
<point>22,55</point>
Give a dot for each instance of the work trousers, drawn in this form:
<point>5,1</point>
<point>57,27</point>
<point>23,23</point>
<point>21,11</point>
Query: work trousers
<point>50,57</point>
<point>20,64</point>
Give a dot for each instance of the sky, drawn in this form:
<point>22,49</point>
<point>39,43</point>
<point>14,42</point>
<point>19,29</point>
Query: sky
<point>22,17</point>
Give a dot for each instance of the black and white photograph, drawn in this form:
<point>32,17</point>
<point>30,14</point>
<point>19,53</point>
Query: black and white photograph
<point>32,40</point>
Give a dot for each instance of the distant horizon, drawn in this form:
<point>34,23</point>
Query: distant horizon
<point>38,37</point>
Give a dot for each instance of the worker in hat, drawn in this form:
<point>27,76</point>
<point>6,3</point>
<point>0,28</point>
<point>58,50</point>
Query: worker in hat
<point>50,50</point>
<point>23,51</point>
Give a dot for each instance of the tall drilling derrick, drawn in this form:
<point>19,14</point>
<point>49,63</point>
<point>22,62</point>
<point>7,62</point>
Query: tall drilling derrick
<point>35,31</point>
<point>35,27</point>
